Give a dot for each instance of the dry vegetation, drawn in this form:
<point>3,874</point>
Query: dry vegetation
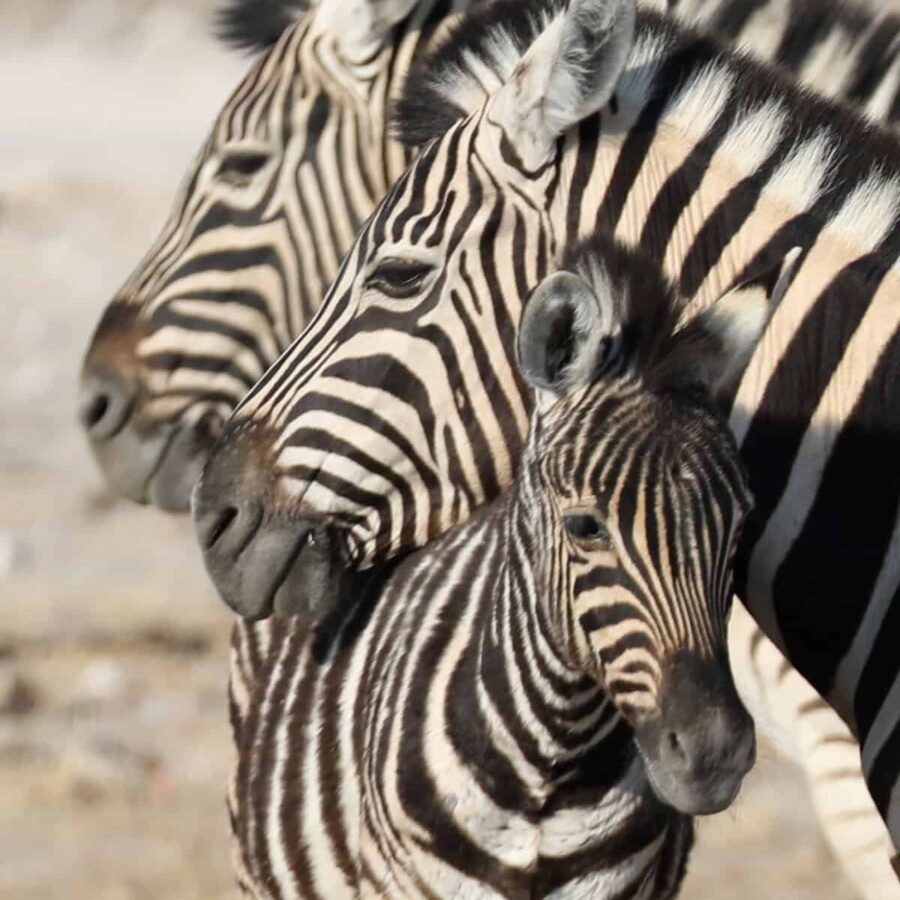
<point>113,740</point>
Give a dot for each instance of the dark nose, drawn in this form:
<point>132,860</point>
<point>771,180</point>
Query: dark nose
<point>703,743</point>
<point>260,562</point>
<point>146,459</point>
<point>106,403</point>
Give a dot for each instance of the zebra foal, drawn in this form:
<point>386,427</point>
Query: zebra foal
<point>513,711</point>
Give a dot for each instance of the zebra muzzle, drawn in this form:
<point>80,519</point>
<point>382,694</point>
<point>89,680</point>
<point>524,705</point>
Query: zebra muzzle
<point>262,567</point>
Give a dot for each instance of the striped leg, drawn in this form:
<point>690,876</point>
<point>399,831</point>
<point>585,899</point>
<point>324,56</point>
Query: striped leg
<point>799,722</point>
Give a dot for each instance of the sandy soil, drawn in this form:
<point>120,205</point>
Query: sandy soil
<point>113,741</point>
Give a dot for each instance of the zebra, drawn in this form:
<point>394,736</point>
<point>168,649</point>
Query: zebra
<point>398,411</point>
<point>512,711</point>
<point>805,729</point>
<point>295,162</point>
<point>225,287</point>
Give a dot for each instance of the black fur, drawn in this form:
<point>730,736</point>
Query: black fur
<point>256,24</point>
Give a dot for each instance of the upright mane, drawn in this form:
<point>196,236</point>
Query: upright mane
<point>672,72</point>
<point>452,80</point>
<point>256,24</point>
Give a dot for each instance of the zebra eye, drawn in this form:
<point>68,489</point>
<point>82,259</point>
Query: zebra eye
<point>237,168</point>
<point>586,528</point>
<point>399,278</point>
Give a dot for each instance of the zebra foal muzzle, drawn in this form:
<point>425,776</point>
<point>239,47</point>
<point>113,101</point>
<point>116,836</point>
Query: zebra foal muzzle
<point>147,461</point>
<point>702,743</point>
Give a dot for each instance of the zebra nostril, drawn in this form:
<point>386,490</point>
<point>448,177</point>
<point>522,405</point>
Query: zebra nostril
<point>675,746</point>
<point>93,411</point>
<point>107,404</point>
<point>220,525</point>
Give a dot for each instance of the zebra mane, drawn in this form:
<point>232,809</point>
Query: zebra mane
<point>646,303</point>
<point>256,24</point>
<point>689,77</point>
<point>453,79</point>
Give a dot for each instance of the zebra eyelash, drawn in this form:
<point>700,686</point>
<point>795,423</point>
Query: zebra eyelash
<point>398,278</point>
<point>587,530</point>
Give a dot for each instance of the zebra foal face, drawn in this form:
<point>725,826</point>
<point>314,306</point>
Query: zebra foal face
<point>636,497</point>
<point>296,160</point>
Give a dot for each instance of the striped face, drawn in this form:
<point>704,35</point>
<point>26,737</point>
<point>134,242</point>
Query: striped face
<point>650,495</point>
<point>644,496</point>
<point>297,159</point>
<point>400,409</point>
<point>631,497</point>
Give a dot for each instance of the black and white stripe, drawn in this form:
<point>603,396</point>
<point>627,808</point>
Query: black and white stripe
<point>396,414</point>
<point>296,161</point>
<point>480,723</point>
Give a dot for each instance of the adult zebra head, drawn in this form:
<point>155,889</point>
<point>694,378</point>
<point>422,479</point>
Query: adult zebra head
<point>400,409</point>
<point>296,160</point>
<point>629,503</point>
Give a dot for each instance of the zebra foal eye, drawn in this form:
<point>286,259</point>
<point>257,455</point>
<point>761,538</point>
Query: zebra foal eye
<point>399,278</point>
<point>586,528</point>
<point>237,168</point>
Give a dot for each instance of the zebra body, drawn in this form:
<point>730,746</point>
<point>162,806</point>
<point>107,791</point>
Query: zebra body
<point>494,717</point>
<point>329,810</point>
<point>713,166</point>
<point>792,715</point>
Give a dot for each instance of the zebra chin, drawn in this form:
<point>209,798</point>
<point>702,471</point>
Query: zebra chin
<point>158,469</point>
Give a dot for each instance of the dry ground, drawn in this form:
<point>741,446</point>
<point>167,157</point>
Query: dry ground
<point>113,742</point>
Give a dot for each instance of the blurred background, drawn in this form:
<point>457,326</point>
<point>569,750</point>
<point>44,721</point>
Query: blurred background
<point>114,746</point>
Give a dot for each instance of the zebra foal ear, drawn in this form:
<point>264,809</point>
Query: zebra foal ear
<point>561,336</point>
<point>568,73</point>
<point>714,348</point>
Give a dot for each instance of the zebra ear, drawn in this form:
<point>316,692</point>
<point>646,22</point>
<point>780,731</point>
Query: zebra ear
<point>561,336</point>
<point>567,74</point>
<point>714,349</point>
<point>362,26</point>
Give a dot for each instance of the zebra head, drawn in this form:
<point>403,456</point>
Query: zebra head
<point>400,409</point>
<point>631,496</point>
<point>298,157</point>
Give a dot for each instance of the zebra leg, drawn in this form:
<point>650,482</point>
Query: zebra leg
<point>807,730</point>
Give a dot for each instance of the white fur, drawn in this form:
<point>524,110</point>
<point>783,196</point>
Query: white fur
<point>544,97</point>
<point>869,213</point>
<point>799,181</point>
<point>697,106</point>
<point>739,319</point>
<point>360,26</point>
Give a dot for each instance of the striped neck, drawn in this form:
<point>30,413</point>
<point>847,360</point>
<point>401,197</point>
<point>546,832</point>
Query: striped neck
<point>548,712</point>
